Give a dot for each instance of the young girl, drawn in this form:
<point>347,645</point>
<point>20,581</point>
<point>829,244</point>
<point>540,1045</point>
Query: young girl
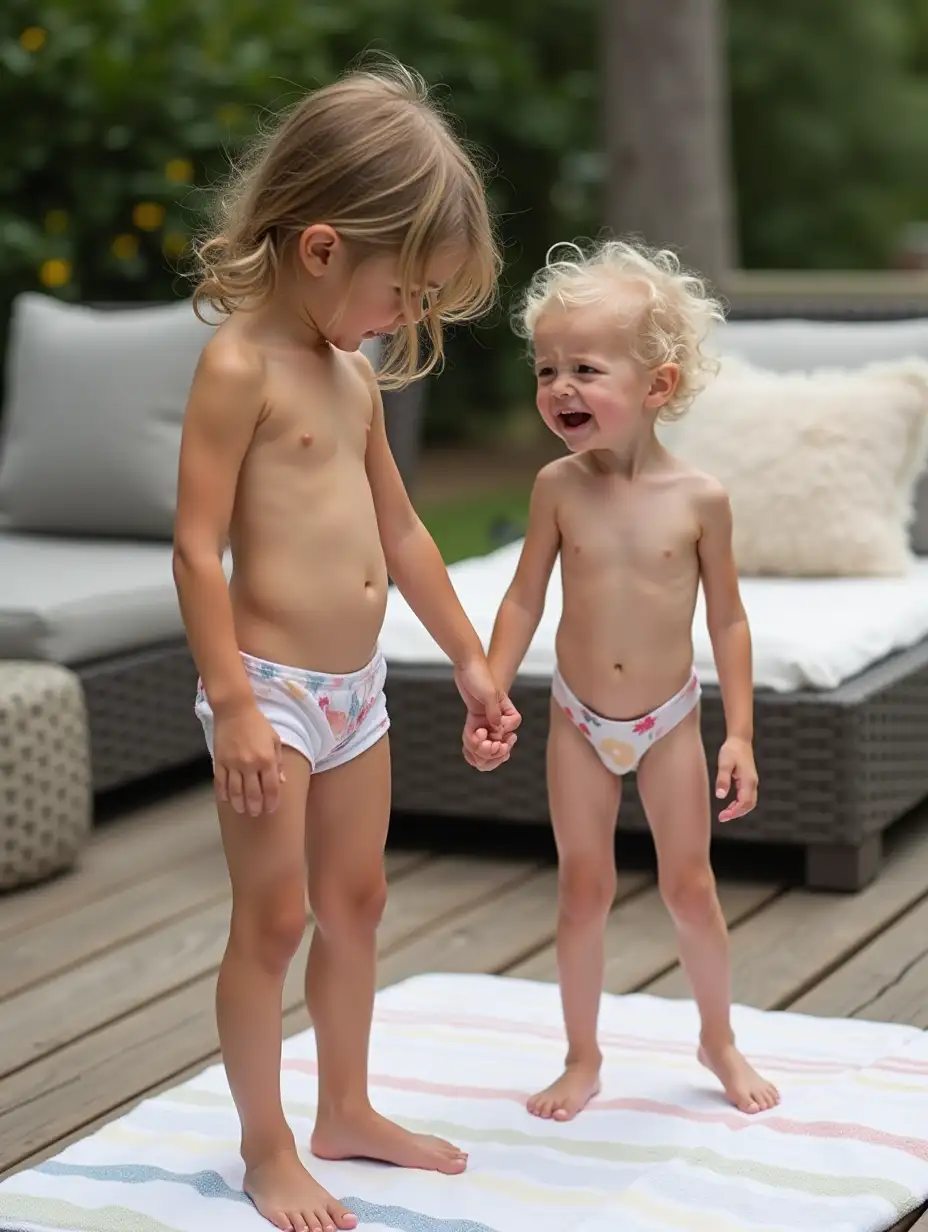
<point>360,216</point>
<point>617,345</point>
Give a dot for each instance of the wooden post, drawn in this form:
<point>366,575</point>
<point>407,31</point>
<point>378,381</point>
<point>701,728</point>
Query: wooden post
<point>666,128</point>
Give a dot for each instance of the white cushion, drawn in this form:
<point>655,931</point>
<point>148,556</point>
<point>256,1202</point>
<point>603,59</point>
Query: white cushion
<point>821,467</point>
<point>807,633</point>
<point>93,422</point>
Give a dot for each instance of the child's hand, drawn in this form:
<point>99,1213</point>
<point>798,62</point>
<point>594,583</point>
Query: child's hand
<point>736,762</point>
<point>490,726</point>
<point>482,752</point>
<point>248,767</point>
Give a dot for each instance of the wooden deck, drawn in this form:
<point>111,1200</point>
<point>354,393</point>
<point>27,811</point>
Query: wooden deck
<point>107,974</point>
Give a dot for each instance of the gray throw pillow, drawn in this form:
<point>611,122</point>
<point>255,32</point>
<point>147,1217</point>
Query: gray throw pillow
<point>93,419</point>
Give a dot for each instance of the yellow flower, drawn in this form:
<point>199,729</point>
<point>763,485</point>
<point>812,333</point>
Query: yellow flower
<point>148,215</point>
<point>32,39</point>
<point>179,170</point>
<point>174,243</point>
<point>230,115</point>
<point>55,272</point>
<point>56,222</point>
<point>124,247</point>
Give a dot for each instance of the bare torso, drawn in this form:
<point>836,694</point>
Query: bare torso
<point>630,576</point>
<point>309,584</point>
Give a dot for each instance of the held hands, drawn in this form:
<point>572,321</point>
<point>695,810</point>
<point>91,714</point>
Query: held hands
<point>736,764</point>
<point>248,768</point>
<point>490,726</point>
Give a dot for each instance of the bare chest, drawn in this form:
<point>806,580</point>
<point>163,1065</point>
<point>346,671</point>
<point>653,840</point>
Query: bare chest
<point>311,432</point>
<point>645,539</point>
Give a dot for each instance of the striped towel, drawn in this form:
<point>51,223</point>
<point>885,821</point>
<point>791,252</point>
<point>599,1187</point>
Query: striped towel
<point>847,1150</point>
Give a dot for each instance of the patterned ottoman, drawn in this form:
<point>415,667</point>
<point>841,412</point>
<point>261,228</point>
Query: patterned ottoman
<point>46,802</point>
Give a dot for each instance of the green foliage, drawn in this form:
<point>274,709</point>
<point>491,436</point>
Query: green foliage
<point>127,110</point>
<point>473,526</point>
<point>123,115</point>
<point>829,128</point>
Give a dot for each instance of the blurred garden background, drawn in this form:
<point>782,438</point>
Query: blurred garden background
<point>805,127</point>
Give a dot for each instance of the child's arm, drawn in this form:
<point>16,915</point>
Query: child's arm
<point>224,407</point>
<point>524,602</point>
<point>731,645</point>
<point>415,565</point>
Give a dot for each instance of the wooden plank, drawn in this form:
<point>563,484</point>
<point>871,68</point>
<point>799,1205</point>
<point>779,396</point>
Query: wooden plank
<point>495,935</point>
<point>116,1065</point>
<point>119,853</point>
<point>43,1102</point>
<point>640,940</point>
<point>48,1016</point>
<point>34,955</point>
<point>447,885</point>
<point>916,1222</point>
<point>398,863</point>
<point>801,937</point>
<point>886,981</point>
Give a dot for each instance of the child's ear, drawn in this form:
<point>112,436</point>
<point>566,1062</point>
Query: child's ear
<point>317,245</point>
<point>664,381</point>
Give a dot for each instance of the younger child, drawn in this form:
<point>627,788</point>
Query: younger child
<point>361,216</point>
<point>617,338</point>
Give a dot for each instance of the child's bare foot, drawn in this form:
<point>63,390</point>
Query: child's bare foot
<point>286,1195</point>
<point>368,1135</point>
<point>563,1099</point>
<point>744,1086</point>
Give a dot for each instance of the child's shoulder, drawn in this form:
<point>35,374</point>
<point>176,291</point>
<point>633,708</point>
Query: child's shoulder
<point>700,485</point>
<point>557,475</point>
<point>231,358</point>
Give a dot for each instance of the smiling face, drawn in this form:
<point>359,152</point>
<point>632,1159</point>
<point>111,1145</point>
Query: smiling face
<point>592,392</point>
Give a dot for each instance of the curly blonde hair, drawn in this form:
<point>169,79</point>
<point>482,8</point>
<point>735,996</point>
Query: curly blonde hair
<point>670,325</point>
<point>373,157</point>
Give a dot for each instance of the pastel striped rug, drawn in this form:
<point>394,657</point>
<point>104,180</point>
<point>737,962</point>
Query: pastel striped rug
<point>847,1151</point>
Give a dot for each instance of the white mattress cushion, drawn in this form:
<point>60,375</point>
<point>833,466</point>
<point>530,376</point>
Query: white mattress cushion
<point>808,633</point>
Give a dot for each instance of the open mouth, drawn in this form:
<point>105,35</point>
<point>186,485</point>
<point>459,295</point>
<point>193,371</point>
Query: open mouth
<point>574,419</point>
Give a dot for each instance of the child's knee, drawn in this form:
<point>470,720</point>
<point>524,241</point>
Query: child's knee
<point>586,890</point>
<point>352,909</point>
<point>270,932</point>
<point>690,895</point>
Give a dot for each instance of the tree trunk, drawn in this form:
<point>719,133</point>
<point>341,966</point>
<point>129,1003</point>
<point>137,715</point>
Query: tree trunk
<point>667,133</point>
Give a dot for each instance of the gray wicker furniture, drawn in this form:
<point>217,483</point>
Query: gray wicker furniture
<point>45,798</point>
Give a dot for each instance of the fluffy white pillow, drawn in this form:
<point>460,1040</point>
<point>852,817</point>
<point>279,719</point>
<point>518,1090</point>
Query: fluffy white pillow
<point>821,467</point>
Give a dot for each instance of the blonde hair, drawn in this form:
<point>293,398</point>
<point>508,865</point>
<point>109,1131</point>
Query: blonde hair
<point>676,314</point>
<point>373,157</point>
